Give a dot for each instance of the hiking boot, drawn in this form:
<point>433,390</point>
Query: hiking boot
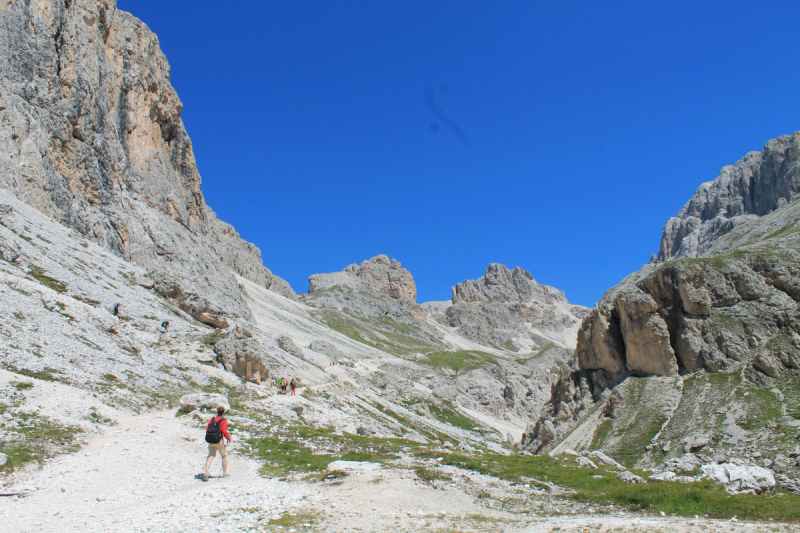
<point>205,477</point>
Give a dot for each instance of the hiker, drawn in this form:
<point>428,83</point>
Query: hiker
<point>165,325</point>
<point>283,385</point>
<point>116,309</point>
<point>294,386</point>
<point>217,429</point>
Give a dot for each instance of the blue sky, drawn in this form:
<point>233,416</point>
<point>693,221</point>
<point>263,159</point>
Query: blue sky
<point>557,136</point>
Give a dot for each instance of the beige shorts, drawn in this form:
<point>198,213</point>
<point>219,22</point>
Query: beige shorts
<point>212,449</point>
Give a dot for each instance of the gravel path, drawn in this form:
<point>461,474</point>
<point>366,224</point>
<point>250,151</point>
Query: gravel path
<point>139,476</point>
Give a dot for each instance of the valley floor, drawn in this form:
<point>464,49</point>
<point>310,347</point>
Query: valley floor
<point>139,476</point>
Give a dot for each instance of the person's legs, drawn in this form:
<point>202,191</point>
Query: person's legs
<point>225,465</point>
<point>211,453</point>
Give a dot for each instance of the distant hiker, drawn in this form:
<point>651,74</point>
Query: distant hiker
<point>215,431</point>
<point>283,385</point>
<point>116,309</point>
<point>165,326</point>
<point>294,386</point>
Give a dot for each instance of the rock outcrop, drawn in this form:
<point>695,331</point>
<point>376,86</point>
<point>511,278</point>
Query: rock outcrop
<point>756,185</point>
<point>697,355</point>
<point>360,287</point>
<point>509,308</point>
<point>92,136</point>
<point>241,353</point>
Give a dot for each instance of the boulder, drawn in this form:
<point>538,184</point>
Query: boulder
<point>242,354</point>
<point>606,460</point>
<point>585,462</point>
<point>3,459</point>
<point>662,476</point>
<point>287,345</point>
<point>629,477</point>
<point>740,478</point>
<point>213,401</point>
<point>688,462</point>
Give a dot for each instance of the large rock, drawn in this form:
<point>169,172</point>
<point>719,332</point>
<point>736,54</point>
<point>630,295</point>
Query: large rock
<point>242,354</point>
<point>738,478</point>
<point>92,137</point>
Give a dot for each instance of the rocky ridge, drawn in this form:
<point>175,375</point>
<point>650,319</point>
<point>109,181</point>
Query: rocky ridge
<point>697,355</point>
<point>758,184</point>
<point>92,136</point>
<point>508,308</point>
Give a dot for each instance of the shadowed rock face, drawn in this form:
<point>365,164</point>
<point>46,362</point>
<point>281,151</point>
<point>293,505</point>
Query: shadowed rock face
<point>92,136</point>
<point>758,184</point>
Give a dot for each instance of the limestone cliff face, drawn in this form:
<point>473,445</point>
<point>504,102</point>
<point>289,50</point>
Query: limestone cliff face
<point>91,134</point>
<point>758,184</point>
<point>508,307</point>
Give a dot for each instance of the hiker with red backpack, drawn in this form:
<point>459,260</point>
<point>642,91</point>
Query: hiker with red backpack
<point>215,431</point>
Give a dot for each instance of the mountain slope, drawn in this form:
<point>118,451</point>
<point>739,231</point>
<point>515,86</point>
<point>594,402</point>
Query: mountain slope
<point>723,331</point>
<point>92,136</point>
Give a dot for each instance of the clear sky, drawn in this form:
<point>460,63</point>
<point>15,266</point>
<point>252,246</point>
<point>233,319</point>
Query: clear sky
<point>557,136</point>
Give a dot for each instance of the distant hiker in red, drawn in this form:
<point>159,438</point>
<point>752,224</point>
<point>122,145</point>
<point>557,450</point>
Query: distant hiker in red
<point>217,429</point>
<point>293,384</point>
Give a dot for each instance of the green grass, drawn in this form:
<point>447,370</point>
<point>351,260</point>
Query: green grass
<point>446,413</point>
<point>294,520</point>
<point>687,499</point>
<point>458,361</point>
<point>46,374</point>
<point>210,339</point>
<point>510,346</point>
<point>600,433</point>
<point>35,439</point>
<point>22,385</point>
<point>384,333</point>
<point>38,274</point>
<point>536,355</point>
<point>430,474</point>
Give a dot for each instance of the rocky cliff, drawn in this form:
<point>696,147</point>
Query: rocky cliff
<point>92,136</point>
<point>508,308</point>
<point>696,355</point>
<point>758,184</point>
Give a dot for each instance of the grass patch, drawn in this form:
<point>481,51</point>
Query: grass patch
<point>210,339</point>
<point>458,361</point>
<point>38,274</point>
<point>46,374</point>
<point>294,520</point>
<point>536,355</point>
<point>384,333</point>
<point>510,346</point>
<point>687,499</point>
<point>600,434</point>
<point>22,385</point>
<point>446,413</point>
<point>429,475</point>
<point>89,301</point>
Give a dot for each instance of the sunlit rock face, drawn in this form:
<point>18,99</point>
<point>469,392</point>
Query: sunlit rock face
<point>92,136</point>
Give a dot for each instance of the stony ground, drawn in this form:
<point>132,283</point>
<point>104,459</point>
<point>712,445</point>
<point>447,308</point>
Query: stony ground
<point>140,475</point>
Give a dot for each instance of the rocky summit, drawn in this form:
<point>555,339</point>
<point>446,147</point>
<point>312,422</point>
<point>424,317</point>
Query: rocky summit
<point>509,308</point>
<point>129,313</point>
